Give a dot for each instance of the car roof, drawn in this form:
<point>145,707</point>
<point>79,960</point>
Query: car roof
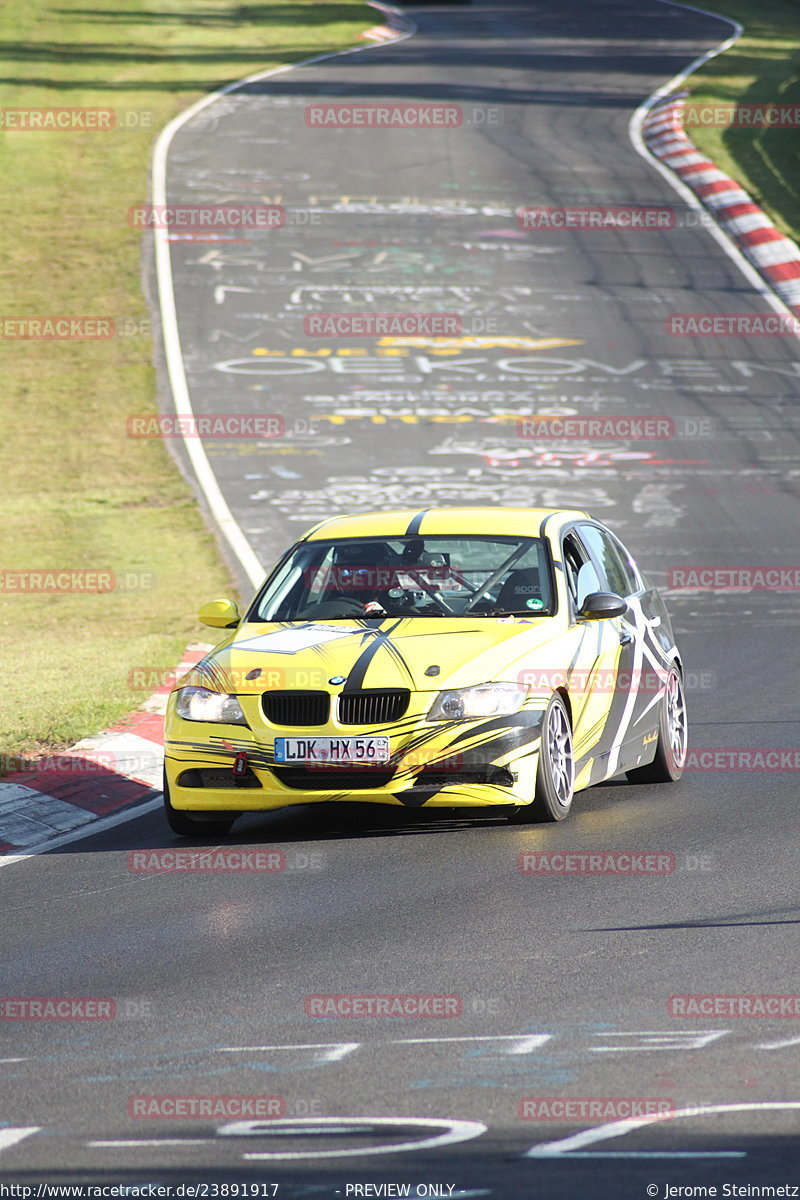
<point>440,521</point>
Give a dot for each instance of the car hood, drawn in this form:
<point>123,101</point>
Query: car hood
<point>395,652</point>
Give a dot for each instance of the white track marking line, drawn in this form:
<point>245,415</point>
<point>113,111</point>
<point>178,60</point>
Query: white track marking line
<point>525,1043</point>
<point>795,1041</point>
<point>454,1131</point>
<point>223,517</point>
<point>77,835</point>
<point>155,1142</point>
<point>335,1051</point>
<point>563,1147</point>
<point>10,1137</point>
<point>652,1154</point>
<point>635,131</point>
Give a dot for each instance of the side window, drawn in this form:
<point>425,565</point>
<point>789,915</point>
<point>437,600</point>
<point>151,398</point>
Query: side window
<point>629,567</point>
<point>581,575</point>
<point>619,575</point>
<point>572,565</point>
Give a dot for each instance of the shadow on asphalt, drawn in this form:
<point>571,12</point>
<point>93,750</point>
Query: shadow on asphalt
<point>339,821</point>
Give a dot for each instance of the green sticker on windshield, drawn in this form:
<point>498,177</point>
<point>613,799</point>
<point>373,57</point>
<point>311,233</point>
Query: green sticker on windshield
<point>534,602</point>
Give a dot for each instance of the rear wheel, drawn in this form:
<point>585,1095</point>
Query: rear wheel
<point>670,757</point>
<point>555,776</point>
<point>190,826</point>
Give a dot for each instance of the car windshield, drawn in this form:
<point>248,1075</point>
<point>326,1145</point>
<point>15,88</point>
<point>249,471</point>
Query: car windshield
<point>480,576</point>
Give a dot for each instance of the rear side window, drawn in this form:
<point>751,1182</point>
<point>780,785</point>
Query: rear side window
<point>611,559</point>
<point>581,574</point>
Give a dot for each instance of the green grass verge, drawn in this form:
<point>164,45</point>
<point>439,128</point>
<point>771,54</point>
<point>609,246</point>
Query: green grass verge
<point>762,67</point>
<point>77,493</point>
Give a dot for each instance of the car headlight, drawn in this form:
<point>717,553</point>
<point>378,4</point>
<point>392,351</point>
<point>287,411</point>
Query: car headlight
<point>485,700</point>
<point>200,704</point>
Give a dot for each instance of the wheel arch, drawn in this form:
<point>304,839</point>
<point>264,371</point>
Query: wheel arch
<point>564,694</point>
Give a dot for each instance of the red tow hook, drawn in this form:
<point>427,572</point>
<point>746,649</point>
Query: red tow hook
<point>240,766</point>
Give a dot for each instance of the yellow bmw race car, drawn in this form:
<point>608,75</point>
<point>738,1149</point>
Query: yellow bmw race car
<point>452,657</point>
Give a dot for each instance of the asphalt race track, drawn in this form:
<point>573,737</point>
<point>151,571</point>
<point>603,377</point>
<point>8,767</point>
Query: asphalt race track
<point>563,981</point>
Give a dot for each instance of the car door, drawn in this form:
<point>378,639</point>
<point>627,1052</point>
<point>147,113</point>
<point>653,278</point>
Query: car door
<point>591,678</point>
<point>640,677</point>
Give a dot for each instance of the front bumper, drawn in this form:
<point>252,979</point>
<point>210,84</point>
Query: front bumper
<point>471,763</point>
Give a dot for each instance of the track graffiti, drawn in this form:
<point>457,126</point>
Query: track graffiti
<point>407,486</point>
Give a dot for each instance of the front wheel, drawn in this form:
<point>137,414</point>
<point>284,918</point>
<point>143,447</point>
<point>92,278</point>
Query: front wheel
<point>555,776</point>
<point>191,826</point>
<point>670,757</point>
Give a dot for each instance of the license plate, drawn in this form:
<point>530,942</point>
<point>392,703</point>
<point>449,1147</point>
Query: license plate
<point>337,750</point>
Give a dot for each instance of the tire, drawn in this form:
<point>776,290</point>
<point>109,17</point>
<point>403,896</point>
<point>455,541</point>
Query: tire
<point>555,776</point>
<point>189,826</point>
<point>670,758</point>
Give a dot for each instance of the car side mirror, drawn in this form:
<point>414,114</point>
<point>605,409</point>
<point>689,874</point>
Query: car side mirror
<point>599,606</point>
<point>219,614</point>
